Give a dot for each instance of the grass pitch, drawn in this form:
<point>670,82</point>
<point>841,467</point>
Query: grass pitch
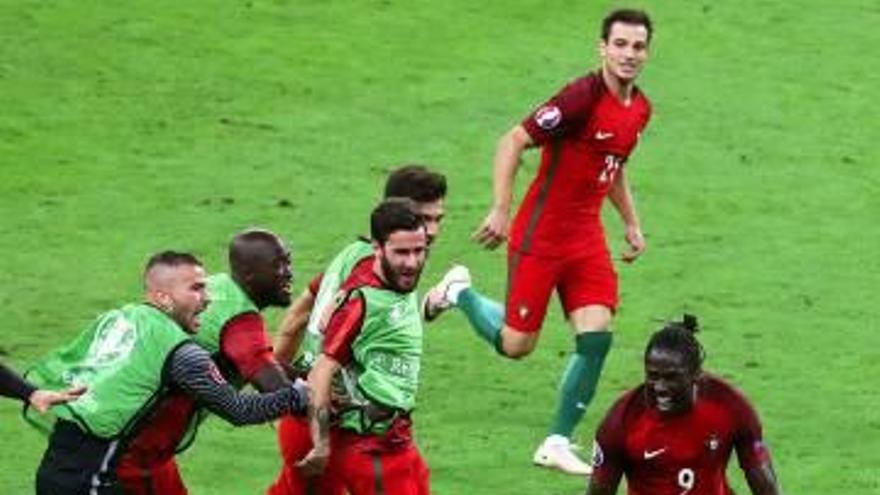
<point>126,129</point>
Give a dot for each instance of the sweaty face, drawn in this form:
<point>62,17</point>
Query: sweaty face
<point>270,276</point>
<point>432,214</point>
<point>185,296</point>
<point>625,51</point>
<point>669,384</point>
<point>402,258</point>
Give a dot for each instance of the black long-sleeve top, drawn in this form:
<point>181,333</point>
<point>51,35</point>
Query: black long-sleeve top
<point>12,385</point>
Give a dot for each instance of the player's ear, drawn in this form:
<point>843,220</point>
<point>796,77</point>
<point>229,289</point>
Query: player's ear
<point>164,301</point>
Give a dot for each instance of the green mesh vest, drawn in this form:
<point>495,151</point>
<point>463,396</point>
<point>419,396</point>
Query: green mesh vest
<point>383,375</point>
<point>120,358</point>
<point>228,300</point>
<point>337,271</point>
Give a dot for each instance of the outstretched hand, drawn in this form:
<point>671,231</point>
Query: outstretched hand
<point>493,231</point>
<point>42,400</point>
<point>636,242</point>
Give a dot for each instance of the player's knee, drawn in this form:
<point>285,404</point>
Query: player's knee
<point>516,353</point>
<point>516,345</point>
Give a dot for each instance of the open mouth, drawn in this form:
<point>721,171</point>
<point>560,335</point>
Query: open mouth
<point>664,402</point>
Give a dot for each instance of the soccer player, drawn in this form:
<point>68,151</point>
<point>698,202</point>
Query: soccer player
<point>675,433</point>
<point>370,361</point>
<point>130,357</point>
<point>12,385</point>
<point>307,315</point>
<point>587,132</point>
<point>234,332</point>
<point>416,182</point>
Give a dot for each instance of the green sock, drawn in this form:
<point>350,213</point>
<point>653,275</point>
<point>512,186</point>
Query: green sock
<point>485,315</point>
<point>579,380</point>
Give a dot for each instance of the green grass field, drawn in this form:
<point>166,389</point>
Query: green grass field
<point>126,128</point>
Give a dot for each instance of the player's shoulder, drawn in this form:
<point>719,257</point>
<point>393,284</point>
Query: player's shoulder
<point>590,84</point>
<point>629,406</point>
<point>717,389</point>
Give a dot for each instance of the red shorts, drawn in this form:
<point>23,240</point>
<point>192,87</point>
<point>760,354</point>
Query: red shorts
<point>295,441</point>
<point>585,280</point>
<point>163,478</point>
<point>350,469</point>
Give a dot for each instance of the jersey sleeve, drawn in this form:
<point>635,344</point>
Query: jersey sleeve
<point>343,328</point>
<point>609,452</point>
<point>565,112</point>
<point>315,284</point>
<point>748,439</point>
<point>246,343</point>
<point>12,385</point>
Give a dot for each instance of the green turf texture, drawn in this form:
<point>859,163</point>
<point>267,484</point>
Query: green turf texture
<point>132,127</point>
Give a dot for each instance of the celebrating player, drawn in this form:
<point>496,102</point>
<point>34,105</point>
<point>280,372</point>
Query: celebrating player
<point>234,332</point>
<point>427,189</point>
<point>675,433</point>
<point>370,357</point>
<point>587,132</point>
<point>130,358</point>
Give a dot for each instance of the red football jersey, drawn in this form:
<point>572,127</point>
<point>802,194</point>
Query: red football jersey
<point>586,135</point>
<point>686,454</point>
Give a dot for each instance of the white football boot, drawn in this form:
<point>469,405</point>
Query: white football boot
<point>557,452</point>
<point>444,295</point>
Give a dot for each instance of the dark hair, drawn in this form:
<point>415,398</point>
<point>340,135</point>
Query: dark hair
<point>627,16</point>
<point>171,259</point>
<point>238,246</point>
<point>680,337</point>
<point>417,183</point>
<point>394,214</point>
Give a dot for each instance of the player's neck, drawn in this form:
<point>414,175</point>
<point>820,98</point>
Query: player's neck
<point>621,89</point>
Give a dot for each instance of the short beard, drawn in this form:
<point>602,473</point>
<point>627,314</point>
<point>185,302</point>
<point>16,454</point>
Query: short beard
<point>391,277</point>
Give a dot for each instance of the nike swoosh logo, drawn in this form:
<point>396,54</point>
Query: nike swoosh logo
<point>650,454</point>
<point>601,136</point>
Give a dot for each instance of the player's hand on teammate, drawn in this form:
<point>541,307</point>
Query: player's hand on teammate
<point>493,231</point>
<point>314,463</point>
<point>42,400</point>
<point>636,242</point>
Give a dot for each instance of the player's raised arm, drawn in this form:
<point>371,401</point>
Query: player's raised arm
<point>493,231</point>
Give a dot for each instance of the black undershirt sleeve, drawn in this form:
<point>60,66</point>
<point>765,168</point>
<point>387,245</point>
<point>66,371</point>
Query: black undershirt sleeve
<point>192,369</point>
<point>12,385</point>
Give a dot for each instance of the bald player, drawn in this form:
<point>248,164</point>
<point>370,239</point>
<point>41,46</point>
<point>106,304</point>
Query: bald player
<point>131,358</point>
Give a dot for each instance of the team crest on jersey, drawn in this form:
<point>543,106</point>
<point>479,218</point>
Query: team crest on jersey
<point>598,456</point>
<point>215,374</point>
<point>397,312</point>
<point>523,311</point>
<point>713,442</point>
<point>548,117</point>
